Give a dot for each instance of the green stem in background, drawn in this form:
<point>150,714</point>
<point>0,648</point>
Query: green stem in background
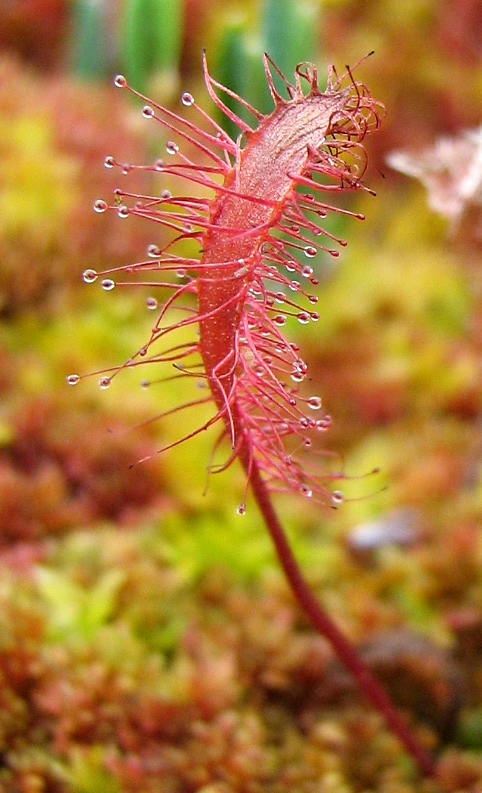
<point>287,29</point>
<point>151,39</point>
<point>238,65</point>
<point>89,53</point>
<point>290,30</point>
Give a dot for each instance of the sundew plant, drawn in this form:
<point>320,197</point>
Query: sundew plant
<point>253,205</point>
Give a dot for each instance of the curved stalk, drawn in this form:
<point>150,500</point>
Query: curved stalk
<point>368,684</point>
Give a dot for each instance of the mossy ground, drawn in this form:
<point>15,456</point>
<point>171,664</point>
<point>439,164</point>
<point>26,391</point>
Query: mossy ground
<point>148,641</point>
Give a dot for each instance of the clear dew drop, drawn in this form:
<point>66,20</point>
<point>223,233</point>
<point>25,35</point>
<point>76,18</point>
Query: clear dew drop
<point>100,205</point>
<point>294,286</point>
<point>314,402</point>
<point>171,147</point>
<point>107,284</point>
<point>279,320</point>
<point>314,316</point>
<point>166,195</point>
<point>291,266</point>
<point>123,212</point>
<point>153,251</point>
<point>73,379</point>
<point>337,498</point>
<point>303,317</point>
<point>89,276</point>
<point>181,273</point>
<point>120,81</point>
<point>151,303</point>
<point>309,251</point>
<point>147,111</point>
<point>104,382</point>
<point>306,271</point>
<point>300,366</point>
<point>313,299</point>
<point>159,165</point>
<point>280,297</point>
<point>306,491</point>
<point>126,168</point>
<point>109,162</point>
<point>241,510</point>
<point>297,377</point>
<point>187,99</point>
<point>145,384</point>
<point>323,424</point>
<point>304,422</point>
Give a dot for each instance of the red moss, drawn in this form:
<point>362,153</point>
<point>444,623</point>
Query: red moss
<point>49,482</point>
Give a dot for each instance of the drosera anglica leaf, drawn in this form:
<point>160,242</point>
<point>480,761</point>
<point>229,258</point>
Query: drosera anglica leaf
<point>257,229</point>
<point>257,226</point>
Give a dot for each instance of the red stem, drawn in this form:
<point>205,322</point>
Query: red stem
<point>344,649</point>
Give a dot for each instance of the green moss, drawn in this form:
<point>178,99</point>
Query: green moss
<point>33,178</point>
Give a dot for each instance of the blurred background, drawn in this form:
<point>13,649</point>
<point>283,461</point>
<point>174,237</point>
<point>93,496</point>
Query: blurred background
<point>142,623</point>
